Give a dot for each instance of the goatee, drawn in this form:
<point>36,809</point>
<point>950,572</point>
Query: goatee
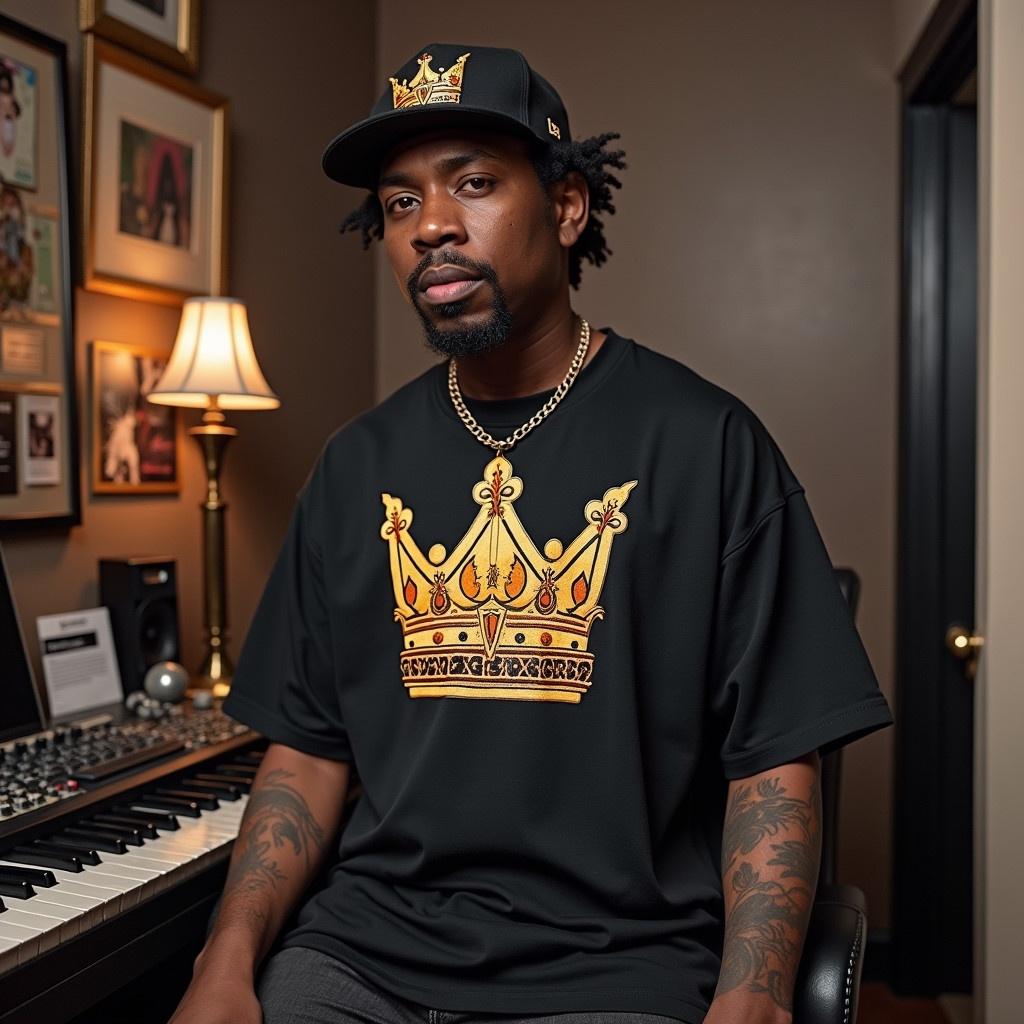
<point>458,340</point>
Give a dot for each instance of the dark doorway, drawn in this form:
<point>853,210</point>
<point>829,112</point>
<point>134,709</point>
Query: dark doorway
<point>932,911</point>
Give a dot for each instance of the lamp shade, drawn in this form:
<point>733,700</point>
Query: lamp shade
<point>213,358</point>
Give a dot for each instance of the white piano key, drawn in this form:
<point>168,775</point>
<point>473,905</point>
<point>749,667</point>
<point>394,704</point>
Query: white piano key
<point>8,954</point>
<point>68,916</point>
<point>48,928</point>
<point>27,939</point>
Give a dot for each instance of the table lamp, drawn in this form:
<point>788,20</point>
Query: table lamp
<point>213,367</point>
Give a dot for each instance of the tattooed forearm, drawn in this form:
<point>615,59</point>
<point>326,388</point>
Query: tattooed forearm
<point>277,821</point>
<point>771,846</point>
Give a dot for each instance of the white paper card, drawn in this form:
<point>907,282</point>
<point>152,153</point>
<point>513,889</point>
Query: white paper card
<point>79,662</point>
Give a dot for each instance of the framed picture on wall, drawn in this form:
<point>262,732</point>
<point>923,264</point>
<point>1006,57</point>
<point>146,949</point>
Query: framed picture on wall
<point>164,30</point>
<point>155,177</point>
<point>39,471</point>
<point>134,442</point>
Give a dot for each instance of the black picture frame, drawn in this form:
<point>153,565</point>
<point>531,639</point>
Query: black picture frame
<point>65,510</point>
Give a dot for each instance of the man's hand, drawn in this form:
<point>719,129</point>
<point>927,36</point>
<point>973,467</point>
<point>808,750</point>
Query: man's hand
<point>771,849</point>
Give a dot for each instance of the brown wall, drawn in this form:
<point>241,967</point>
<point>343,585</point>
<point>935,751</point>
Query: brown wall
<point>295,74</point>
<point>755,240</point>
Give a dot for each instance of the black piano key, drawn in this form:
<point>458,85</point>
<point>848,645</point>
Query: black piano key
<point>249,757</point>
<point>145,828</point>
<point>164,822</point>
<point>19,890</point>
<point>222,791</point>
<point>34,876</point>
<point>84,850</point>
<point>64,860</point>
<point>131,834</point>
<point>235,768</point>
<point>109,842</point>
<point>203,800</point>
<point>188,808</point>
<point>2,907</point>
<point>243,783</point>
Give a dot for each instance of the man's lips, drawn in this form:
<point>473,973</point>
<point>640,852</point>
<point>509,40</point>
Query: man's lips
<point>443,284</point>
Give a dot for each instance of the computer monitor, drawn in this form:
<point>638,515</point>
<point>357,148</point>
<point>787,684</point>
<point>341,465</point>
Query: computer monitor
<point>20,712</point>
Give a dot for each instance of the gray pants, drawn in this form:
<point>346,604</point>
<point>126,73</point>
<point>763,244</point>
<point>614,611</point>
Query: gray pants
<point>305,986</point>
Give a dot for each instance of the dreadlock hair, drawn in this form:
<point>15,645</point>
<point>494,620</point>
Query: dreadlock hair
<point>552,162</point>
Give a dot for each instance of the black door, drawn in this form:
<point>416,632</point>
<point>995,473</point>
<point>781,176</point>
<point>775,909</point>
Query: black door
<point>932,872</point>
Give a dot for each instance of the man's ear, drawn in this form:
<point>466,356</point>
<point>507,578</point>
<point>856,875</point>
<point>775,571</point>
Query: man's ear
<point>571,200</point>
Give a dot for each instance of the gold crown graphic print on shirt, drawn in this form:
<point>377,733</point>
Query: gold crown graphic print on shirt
<point>497,618</point>
<point>428,85</point>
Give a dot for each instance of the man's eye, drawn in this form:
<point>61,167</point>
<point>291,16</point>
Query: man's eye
<point>476,184</point>
<point>400,203</point>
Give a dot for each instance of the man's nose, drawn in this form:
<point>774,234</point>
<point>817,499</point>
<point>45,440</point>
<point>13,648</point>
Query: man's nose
<point>439,222</point>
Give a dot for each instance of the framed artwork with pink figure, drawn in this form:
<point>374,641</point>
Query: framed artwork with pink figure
<point>155,180</point>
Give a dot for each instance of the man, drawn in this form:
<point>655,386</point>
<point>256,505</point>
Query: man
<point>562,604</point>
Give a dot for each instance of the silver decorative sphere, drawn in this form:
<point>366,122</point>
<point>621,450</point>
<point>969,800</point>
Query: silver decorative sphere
<point>166,681</point>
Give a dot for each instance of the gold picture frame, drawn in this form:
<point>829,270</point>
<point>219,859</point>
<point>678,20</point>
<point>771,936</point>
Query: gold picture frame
<point>133,25</point>
<point>155,173</point>
<point>136,444</point>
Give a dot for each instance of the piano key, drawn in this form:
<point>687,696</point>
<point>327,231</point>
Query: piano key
<point>204,801</point>
<point>81,849</point>
<point>133,835</point>
<point>8,954</point>
<point>146,829</point>
<point>158,819</point>
<point>16,890</point>
<point>245,771</point>
<point>46,928</point>
<point>67,919</point>
<point>27,940</point>
<point>188,808</point>
<point>44,858</point>
<point>93,840</point>
<point>35,876</point>
<point>243,782</point>
<point>223,791</point>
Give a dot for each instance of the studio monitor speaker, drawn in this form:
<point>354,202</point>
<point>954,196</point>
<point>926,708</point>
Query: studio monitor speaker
<point>141,594</point>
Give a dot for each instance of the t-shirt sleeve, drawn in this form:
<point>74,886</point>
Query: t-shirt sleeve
<point>284,684</point>
<point>790,673</point>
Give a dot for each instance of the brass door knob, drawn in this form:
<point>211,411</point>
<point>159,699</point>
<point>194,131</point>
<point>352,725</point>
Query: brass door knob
<point>964,644</point>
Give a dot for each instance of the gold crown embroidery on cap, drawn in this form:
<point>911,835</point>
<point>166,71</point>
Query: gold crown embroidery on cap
<point>429,86</point>
<point>498,618</point>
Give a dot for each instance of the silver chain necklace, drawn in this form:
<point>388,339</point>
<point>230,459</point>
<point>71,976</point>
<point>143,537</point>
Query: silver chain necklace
<point>520,432</point>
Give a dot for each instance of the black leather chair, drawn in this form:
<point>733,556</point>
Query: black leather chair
<point>828,981</point>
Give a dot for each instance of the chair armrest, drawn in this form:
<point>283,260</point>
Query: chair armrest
<point>828,981</point>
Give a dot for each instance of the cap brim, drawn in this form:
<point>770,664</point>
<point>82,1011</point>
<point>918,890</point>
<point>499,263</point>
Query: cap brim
<point>354,156</point>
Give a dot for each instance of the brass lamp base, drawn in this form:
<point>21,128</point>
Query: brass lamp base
<point>216,668</point>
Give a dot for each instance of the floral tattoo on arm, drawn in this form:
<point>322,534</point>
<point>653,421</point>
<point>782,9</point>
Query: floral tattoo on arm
<point>767,922</point>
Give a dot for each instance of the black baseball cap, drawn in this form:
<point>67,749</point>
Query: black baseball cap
<point>449,85</point>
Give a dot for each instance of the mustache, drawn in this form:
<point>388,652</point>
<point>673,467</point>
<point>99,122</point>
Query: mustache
<point>449,257</point>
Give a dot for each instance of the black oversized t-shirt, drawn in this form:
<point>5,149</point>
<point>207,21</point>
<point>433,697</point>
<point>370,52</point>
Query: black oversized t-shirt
<point>545,669</point>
